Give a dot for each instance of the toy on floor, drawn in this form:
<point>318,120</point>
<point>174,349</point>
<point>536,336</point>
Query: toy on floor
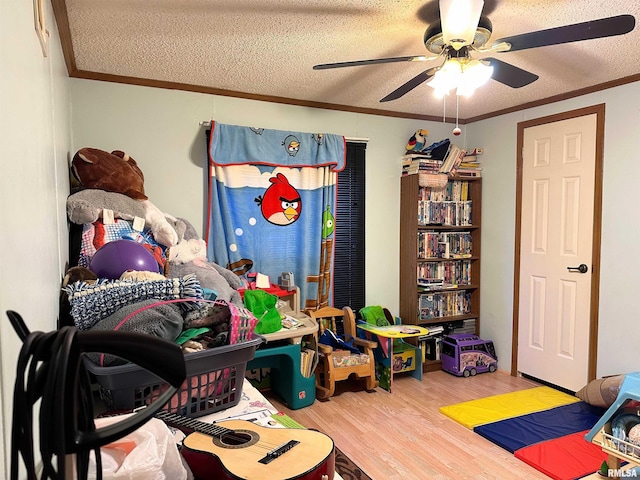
<point>466,355</point>
<point>601,392</point>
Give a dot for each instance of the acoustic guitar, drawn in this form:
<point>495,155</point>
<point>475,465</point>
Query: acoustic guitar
<point>239,449</point>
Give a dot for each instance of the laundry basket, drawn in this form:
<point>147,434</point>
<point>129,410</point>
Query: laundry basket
<point>214,381</point>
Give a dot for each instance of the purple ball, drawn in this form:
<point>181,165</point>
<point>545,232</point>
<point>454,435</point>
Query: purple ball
<point>114,258</point>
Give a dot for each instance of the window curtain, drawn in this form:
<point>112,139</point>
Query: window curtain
<point>271,206</point>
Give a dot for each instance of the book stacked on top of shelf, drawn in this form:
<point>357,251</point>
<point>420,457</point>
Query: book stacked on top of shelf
<point>470,164</point>
<point>419,163</point>
<point>452,160</point>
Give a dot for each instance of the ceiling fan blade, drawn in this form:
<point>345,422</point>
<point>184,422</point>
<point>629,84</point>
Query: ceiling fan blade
<point>411,84</point>
<point>510,75</point>
<point>604,27</point>
<point>357,63</point>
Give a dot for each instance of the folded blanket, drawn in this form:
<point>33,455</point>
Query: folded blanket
<point>151,317</point>
<point>90,303</point>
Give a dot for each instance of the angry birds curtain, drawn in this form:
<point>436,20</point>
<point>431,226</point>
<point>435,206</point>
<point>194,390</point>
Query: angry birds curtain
<point>272,198</point>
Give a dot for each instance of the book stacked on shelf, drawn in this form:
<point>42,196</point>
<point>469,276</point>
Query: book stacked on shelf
<point>436,287</point>
<point>307,361</point>
<point>465,326</point>
<point>444,213</point>
<point>430,283</point>
<point>456,191</point>
<point>454,272</point>
<point>444,304</point>
<point>470,164</point>
<point>433,331</point>
<point>431,342</point>
<point>418,163</point>
<point>452,160</point>
<point>444,245</point>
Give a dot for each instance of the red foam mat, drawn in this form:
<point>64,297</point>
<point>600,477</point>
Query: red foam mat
<point>565,458</point>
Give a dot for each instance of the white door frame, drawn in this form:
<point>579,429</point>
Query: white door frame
<point>599,111</point>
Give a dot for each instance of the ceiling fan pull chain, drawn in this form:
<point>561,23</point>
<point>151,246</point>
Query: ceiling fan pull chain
<point>444,109</point>
<point>457,104</point>
<point>457,131</point>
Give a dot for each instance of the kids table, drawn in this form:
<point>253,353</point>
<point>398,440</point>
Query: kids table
<point>281,354</point>
<point>393,354</point>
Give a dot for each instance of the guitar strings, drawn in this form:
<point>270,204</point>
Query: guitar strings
<point>265,445</point>
<point>210,430</point>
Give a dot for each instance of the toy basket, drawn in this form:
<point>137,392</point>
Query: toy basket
<point>214,381</point>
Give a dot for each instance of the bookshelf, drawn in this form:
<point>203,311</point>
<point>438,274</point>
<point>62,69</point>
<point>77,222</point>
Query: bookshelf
<point>432,228</point>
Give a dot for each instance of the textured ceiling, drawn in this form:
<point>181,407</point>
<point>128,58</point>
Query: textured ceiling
<point>268,48</point>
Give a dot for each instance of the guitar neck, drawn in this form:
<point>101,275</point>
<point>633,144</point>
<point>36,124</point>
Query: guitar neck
<point>189,425</point>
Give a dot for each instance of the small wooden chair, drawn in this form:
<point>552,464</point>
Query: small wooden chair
<point>335,365</point>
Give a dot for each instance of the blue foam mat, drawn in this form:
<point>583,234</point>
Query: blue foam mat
<point>515,433</point>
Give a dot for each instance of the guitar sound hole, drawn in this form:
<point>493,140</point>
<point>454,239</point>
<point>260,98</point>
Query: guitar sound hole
<point>237,439</point>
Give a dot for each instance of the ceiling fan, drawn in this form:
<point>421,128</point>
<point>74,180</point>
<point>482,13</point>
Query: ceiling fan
<point>462,33</point>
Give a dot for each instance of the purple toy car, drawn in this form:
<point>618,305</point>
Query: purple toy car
<point>465,354</point>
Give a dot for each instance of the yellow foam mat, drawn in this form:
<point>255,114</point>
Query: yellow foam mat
<point>507,405</point>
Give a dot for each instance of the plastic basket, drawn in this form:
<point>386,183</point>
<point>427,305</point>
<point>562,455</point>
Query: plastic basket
<point>214,381</point>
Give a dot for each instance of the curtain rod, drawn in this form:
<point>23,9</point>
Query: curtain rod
<point>348,139</point>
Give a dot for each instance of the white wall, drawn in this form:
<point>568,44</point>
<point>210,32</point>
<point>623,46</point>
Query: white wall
<point>160,130</point>
<point>34,147</point>
<point>620,267</point>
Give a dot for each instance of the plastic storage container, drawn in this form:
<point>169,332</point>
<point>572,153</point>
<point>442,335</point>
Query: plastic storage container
<point>214,381</point>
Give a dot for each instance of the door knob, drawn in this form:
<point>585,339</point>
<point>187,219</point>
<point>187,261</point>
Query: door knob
<point>582,268</point>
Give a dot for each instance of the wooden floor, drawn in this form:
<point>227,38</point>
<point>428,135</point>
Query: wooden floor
<point>403,436</point>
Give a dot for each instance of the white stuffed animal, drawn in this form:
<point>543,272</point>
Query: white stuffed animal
<point>188,250</point>
<point>161,229</point>
<point>189,255</point>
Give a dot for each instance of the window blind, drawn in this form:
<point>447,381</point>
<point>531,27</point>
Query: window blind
<point>349,234</point>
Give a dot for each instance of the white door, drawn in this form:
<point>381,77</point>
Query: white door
<point>554,313</point>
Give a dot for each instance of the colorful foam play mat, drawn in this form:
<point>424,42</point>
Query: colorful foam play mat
<point>541,426</point>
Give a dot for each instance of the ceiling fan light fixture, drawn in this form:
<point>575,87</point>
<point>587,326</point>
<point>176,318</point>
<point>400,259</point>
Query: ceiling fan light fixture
<point>446,78</point>
<point>462,75</point>
<point>460,21</point>
<point>474,74</point>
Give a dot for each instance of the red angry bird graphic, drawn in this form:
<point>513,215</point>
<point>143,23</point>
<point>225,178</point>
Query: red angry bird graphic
<point>280,204</point>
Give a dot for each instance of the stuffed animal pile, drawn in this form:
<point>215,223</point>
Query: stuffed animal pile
<point>109,203</point>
